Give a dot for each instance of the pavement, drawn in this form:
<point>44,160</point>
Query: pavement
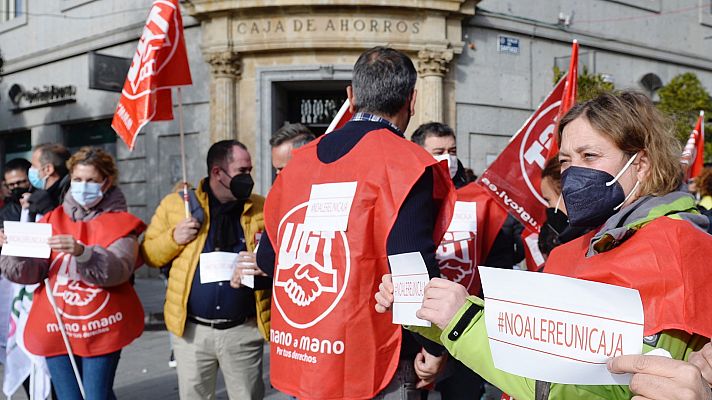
<point>143,371</point>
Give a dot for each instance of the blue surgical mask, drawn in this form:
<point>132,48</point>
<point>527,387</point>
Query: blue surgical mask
<point>34,176</point>
<point>592,196</point>
<point>88,194</point>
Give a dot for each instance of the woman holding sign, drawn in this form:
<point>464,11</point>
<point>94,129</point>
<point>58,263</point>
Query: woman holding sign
<point>94,254</point>
<point>620,174</point>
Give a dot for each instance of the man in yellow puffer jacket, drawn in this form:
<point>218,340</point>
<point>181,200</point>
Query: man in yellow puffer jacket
<point>213,324</point>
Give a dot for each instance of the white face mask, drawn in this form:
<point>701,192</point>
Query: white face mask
<point>451,162</point>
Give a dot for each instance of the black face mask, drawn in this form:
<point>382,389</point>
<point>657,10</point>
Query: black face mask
<point>17,192</point>
<point>557,220</point>
<point>556,223</point>
<point>589,200</point>
<point>241,186</point>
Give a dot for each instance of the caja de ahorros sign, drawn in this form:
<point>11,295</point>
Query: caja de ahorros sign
<point>48,95</point>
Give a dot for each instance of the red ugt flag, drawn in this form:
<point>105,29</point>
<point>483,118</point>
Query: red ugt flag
<point>160,63</point>
<point>569,98</point>
<point>694,152</point>
<point>514,177</point>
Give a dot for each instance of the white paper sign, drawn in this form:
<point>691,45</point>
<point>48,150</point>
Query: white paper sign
<point>410,275</point>
<point>532,242</point>
<point>217,266</point>
<point>558,329</point>
<point>464,217</point>
<point>329,207</point>
<point>27,239</point>
<point>248,280</point>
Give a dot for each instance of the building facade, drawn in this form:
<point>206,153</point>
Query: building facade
<point>483,67</point>
<point>506,68</point>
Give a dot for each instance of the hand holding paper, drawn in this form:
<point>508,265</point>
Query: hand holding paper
<point>384,296</point>
<point>443,298</point>
<point>245,270</point>
<point>661,378</point>
<point>410,275</point>
<point>66,244</point>
<point>23,239</point>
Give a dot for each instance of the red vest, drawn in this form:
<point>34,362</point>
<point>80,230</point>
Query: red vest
<point>460,253</point>
<point>667,260</point>
<point>97,320</point>
<point>327,341</point>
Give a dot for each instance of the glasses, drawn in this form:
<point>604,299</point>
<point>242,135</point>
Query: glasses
<point>12,185</point>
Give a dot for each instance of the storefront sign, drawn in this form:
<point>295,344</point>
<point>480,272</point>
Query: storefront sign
<point>107,72</point>
<point>335,25</point>
<point>267,32</point>
<point>48,95</point>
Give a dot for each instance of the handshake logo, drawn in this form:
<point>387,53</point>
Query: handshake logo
<point>311,275</point>
<point>72,293</point>
<point>303,277</point>
<point>305,285</point>
<point>456,257</point>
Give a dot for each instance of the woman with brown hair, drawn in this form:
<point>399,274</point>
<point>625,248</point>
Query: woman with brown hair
<point>620,172</point>
<point>94,253</point>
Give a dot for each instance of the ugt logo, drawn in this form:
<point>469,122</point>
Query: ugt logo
<point>312,270</point>
<point>456,257</point>
<point>75,298</point>
<point>535,146</point>
<point>159,42</point>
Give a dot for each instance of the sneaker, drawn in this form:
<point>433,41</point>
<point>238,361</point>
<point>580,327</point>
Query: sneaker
<point>172,361</point>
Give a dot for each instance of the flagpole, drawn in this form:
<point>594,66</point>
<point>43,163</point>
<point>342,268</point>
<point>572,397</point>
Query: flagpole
<point>70,353</point>
<point>33,381</point>
<point>186,200</point>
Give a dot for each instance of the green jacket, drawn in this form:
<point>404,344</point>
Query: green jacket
<point>472,346</point>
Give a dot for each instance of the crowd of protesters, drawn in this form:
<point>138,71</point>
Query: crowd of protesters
<point>616,211</point>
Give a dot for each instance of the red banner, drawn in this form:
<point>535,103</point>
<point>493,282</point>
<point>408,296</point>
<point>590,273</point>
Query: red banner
<point>514,178</point>
<point>160,63</point>
<point>570,89</point>
<point>694,152</point>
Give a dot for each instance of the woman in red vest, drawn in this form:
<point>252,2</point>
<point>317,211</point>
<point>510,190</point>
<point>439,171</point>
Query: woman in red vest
<point>94,253</point>
<point>620,173</point>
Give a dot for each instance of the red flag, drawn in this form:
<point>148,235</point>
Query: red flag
<point>342,117</point>
<point>515,176</point>
<point>569,98</point>
<point>694,152</point>
<point>160,63</point>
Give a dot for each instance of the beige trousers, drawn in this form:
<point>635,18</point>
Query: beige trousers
<point>236,351</point>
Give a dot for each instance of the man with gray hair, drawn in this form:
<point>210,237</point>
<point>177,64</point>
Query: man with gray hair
<point>286,139</point>
<point>342,206</point>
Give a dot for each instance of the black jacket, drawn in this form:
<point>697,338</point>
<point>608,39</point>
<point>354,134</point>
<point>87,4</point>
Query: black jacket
<point>44,201</point>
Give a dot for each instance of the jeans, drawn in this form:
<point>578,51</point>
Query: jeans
<point>97,376</point>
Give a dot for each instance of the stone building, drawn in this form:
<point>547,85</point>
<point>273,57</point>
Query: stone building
<point>483,67</point>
